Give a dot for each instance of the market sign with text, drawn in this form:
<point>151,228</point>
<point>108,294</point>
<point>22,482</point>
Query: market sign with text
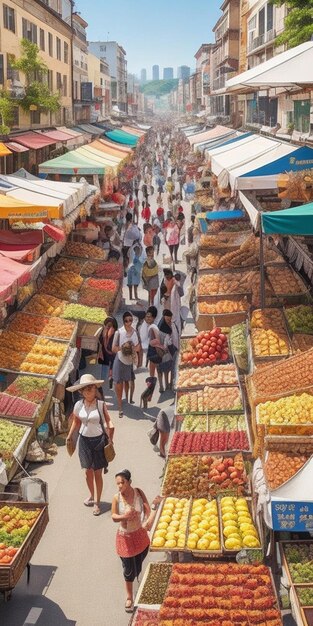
<point>292,516</point>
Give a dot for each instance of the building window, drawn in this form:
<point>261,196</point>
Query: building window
<point>65,52</point>
<point>35,117</point>
<point>59,81</point>
<point>64,85</point>
<point>50,44</point>
<point>29,30</point>
<point>58,49</point>
<point>42,39</point>
<point>302,115</point>
<point>101,82</point>
<point>8,18</point>
<point>16,117</point>
<point>269,17</point>
<point>262,22</point>
<point>75,90</point>
<point>50,79</point>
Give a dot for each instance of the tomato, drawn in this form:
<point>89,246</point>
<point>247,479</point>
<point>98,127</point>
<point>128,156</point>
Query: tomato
<point>185,356</point>
<point>219,342</point>
<point>6,559</point>
<point>218,356</point>
<point>11,551</point>
<point>207,361</point>
<point>217,331</point>
<point>2,546</point>
<point>201,362</point>
<point>224,356</point>
<point>213,342</point>
<point>223,337</point>
<point>211,351</point>
<point>201,335</point>
<point>211,333</point>
<point>2,553</point>
<point>203,342</point>
<point>218,348</point>
<point>204,355</point>
<point>207,335</point>
<point>212,357</point>
<point>194,361</point>
<point>199,352</point>
<point>194,343</point>
<point>190,356</point>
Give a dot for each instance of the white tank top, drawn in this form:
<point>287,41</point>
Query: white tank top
<point>90,418</point>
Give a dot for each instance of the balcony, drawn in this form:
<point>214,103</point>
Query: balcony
<point>81,36</point>
<point>262,40</point>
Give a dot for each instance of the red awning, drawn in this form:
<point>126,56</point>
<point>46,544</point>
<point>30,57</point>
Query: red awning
<point>17,253</point>
<point>57,135</point>
<point>29,238</point>
<point>55,233</point>
<point>34,141</point>
<point>16,147</point>
<point>12,274</point>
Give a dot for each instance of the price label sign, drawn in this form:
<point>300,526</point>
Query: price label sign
<point>292,516</point>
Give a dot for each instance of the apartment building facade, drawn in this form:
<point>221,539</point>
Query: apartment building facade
<point>203,72</point>
<point>44,25</point>
<point>81,107</point>
<point>115,56</point>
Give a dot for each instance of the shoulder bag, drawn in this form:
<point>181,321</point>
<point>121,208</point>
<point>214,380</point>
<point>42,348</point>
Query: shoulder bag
<point>108,447</point>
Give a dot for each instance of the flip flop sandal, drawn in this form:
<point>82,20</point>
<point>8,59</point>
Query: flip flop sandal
<point>96,511</point>
<point>129,607</point>
<point>88,502</point>
<point>120,413</point>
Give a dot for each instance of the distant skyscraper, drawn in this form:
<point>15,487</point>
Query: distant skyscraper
<point>183,71</point>
<point>155,72</point>
<point>168,73</point>
<point>143,76</point>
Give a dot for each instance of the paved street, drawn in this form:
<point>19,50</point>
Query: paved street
<point>76,576</point>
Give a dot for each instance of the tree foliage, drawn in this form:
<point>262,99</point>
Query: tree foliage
<point>6,112</point>
<point>298,22</point>
<point>159,88</point>
<point>37,93</point>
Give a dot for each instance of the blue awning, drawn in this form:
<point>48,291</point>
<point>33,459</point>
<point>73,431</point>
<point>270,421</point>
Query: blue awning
<point>225,215</point>
<point>299,159</point>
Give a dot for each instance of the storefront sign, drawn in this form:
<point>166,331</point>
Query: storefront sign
<point>292,516</point>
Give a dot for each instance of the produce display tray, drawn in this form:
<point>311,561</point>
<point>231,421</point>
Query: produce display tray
<point>145,577</point>
<point>284,562</point>
<point>179,428</point>
<point>71,340</point>
<point>19,453</point>
<point>283,429</point>
<point>201,386</point>
<point>50,376</point>
<point>155,524</point>
<point>136,615</point>
<point>206,321</point>
<point>212,411</point>
<point>231,491</point>
<point>10,574</point>
<point>256,522</point>
<point>286,482</point>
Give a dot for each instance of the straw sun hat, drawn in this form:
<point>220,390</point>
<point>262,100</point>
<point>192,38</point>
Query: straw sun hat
<point>84,381</point>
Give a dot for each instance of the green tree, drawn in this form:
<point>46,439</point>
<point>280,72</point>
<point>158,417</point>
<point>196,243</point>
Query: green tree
<point>37,93</point>
<point>6,112</point>
<point>298,22</point>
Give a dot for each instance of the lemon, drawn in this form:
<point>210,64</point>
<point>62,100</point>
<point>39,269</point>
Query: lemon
<point>229,516</point>
<point>204,524</point>
<point>191,544</point>
<point>160,533</point>
<point>236,537</point>
<point>215,545</point>
<point>197,510</point>
<point>162,525</point>
<point>176,516</point>
<point>165,518</point>
<point>174,524</point>
<point>200,532</point>
<point>210,537</point>
<point>214,530</point>
<point>232,544</point>
<point>158,542</point>
<point>195,518</point>
<point>193,537</point>
<point>181,543</point>
<point>245,527</point>
<point>203,544</point>
<point>229,509</point>
<point>169,505</point>
<point>170,536</point>
<point>249,541</point>
<point>170,543</point>
<point>230,530</point>
<point>245,520</point>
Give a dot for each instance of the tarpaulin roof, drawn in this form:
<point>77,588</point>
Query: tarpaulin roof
<point>16,147</point>
<point>288,69</point>
<point>133,131</point>
<point>67,195</point>
<point>92,130</point>
<point>295,221</point>
<point>109,150</point>
<point>120,136</point>
<point>4,150</point>
<point>223,142</point>
<point>17,253</point>
<point>57,135</point>
<point>112,144</point>
<point>12,274</point>
<point>101,157</point>
<point>31,238</point>
<point>208,135</point>
<point>242,177</point>
<point>33,141</point>
<point>70,131</point>
<point>214,140</point>
<point>296,159</point>
<point>12,208</point>
<point>72,164</point>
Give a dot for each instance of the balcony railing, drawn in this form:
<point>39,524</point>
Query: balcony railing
<point>219,83</point>
<point>261,40</point>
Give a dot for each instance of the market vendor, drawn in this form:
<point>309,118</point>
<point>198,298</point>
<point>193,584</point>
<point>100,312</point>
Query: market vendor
<point>89,225</point>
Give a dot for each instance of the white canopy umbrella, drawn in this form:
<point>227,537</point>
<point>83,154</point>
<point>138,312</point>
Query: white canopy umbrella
<point>292,68</point>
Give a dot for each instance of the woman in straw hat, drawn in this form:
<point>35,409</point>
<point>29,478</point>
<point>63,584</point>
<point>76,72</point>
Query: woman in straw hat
<point>91,419</point>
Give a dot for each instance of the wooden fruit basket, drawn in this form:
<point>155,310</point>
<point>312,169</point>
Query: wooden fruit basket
<point>11,573</point>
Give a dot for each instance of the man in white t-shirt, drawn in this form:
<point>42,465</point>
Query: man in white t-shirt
<point>132,234</point>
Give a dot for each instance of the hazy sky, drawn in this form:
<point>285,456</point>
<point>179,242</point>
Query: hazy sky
<point>164,32</point>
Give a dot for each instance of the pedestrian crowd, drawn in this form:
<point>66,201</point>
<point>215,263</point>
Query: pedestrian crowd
<point>152,342</point>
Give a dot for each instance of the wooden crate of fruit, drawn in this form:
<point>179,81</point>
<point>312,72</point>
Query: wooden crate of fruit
<point>281,467</point>
<point>199,475</point>
<point>304,599</point>
<point>164,535</point>
<point>144,617</point>
<point>214,375</point>
<point>297,561</point>
<point>12,568</point>
<point>239,513</point>
<point>201,349</point>
<point>269,337</point>
<point>225,433</point>
<point>204,529</point>
<point>210,400</point>
<point>153,587</point>
<point>291,414</point>
<point>217,311</point>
